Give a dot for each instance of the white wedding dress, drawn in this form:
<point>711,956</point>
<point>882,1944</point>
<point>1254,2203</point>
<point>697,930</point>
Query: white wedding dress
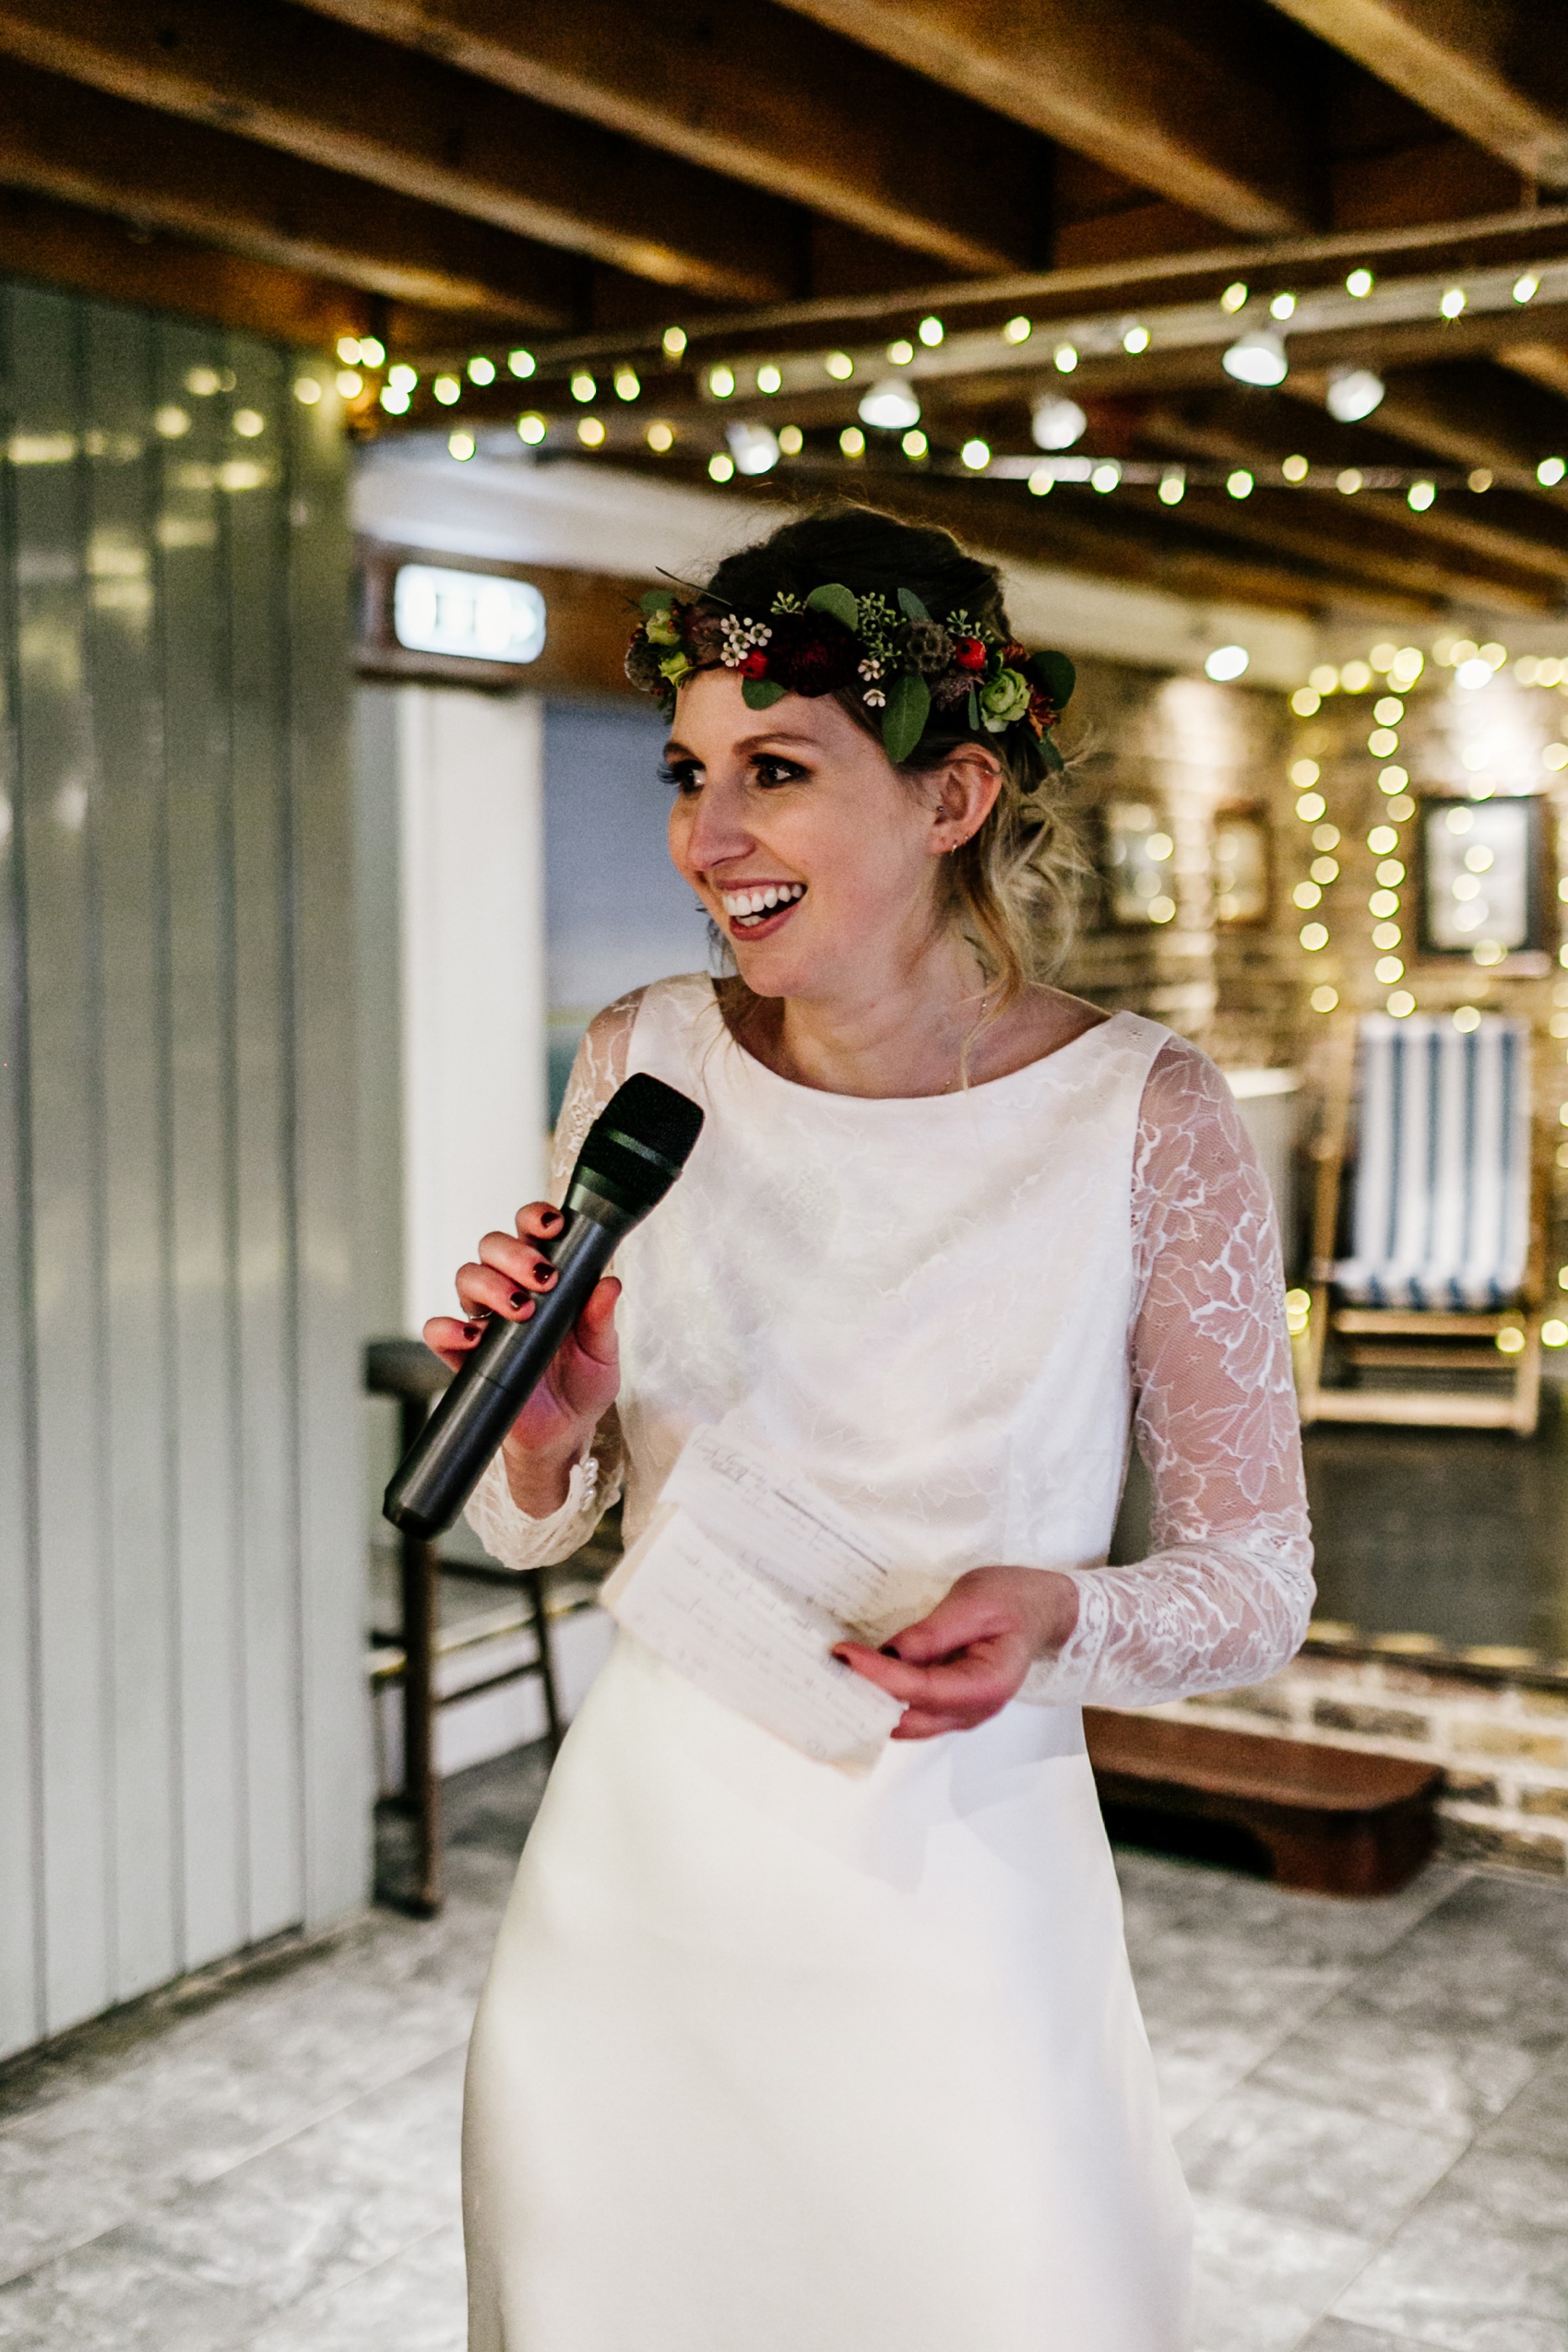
<point>775,2058</point>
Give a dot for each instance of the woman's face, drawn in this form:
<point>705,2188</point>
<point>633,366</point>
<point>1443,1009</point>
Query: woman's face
<point>814,857</point>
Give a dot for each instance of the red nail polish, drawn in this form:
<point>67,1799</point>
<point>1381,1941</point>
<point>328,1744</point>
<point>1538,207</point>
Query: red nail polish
<point>518,1296</point>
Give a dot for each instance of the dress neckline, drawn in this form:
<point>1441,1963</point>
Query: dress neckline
<point>989,1088</point>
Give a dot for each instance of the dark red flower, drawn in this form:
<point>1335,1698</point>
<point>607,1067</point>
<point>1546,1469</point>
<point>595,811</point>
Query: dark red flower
<point>969,654</point>
<point>1041,713</point>
<point>756,664</point>
<point>810,653</point>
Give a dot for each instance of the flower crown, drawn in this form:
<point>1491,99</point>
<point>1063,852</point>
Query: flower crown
<point>904,663</point>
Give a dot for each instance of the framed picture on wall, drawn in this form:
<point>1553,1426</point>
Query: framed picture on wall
<point>1136,854</point>
<point>1482,875</point>
<point>1242,866</point>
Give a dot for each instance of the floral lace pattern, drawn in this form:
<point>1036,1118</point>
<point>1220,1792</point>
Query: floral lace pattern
<point>1223,1598</point>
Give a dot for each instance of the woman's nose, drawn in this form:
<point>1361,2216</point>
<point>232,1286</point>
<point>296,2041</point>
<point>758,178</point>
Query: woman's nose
<point>717,833</point>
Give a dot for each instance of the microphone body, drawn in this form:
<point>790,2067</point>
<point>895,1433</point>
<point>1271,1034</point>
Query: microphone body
<point>633,1154</point>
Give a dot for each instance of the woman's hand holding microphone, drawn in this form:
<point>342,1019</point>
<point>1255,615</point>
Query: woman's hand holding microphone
<point>556,1426</point>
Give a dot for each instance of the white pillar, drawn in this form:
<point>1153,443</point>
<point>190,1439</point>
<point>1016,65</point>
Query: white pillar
<point>471,813</point>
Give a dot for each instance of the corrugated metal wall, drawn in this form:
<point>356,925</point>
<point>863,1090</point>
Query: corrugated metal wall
<point>181,1722</point>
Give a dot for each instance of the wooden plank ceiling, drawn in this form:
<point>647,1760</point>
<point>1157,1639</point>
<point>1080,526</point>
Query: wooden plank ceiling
<point>456,180</point>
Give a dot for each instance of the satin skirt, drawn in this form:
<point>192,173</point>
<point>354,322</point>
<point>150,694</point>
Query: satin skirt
<point>772,2058</point>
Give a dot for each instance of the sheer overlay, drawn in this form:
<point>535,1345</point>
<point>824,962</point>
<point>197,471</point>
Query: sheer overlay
<point>1224,1598</point>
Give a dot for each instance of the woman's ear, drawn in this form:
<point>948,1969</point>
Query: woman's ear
<point>965,789</point>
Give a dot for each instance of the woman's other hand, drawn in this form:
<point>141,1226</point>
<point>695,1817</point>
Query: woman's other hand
<point>556,1426</point>
<point>962,1663</point>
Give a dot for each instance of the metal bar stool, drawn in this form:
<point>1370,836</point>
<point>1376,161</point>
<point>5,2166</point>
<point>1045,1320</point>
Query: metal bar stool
<point>405,1370</point>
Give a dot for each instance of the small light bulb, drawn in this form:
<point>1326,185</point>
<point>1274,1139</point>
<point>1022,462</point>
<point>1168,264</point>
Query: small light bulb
<point>853,441</point>
<point>591,433</point>
<point>722,382</point>
<point>307,391</point>
<point>461,446</point>
<point>1135,339</point>
<point>1550,472</point>
<point>628,384</point>
<point>446,389</point>
<point>1017,330</point>
<point>976,454</point>
<point>839,366</point>
<point>350,382</point>
<point>1348,480</point>
<point>901,352</point>
<point>1233,297</point>
<point>1240,483</point>
<point>1295,468</point>
<point>349,349</point>
<point>1453,303</point>
<point>1173,486</point>
<point>1479,478</point>
<point>372,352</point>
<point>721,466</point>
<point>1527,287</point>
<point>1360,284</point>
<point>1042,481</point>
<point>769,380</point>
<point>481,370</point>
<point>674,342</point>
<point>1066,358</point>
<point>402,379</point>
<point>791,440</point>
<point>914,444</point>
<point>532,429</point>
<point>1421,495</point>
<point>583,386</point>
<point>930,332</point>
<point>521,362</point>
<point>395,403</point>
<point>1282,306</point>
<point>660,437</point>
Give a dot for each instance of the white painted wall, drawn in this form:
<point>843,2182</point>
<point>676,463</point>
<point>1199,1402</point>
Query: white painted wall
<point>471,790</point>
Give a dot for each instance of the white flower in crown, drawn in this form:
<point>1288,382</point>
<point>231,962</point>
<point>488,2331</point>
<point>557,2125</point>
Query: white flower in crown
<point>740,638</point>
<point>872,668</point>
<point>873,697</point>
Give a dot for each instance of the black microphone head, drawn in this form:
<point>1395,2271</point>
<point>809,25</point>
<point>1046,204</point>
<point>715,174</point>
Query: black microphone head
<point>639,1143</point>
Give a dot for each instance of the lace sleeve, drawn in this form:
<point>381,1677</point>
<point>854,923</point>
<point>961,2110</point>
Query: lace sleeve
<point>1224,1598</point>
<point>506,1532</point>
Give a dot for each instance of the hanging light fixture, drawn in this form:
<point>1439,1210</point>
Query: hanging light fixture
<point>1353,393</point>
<point>890,406</point>
<point>1057,423</point>
<point>1257,359</point>
<point>754,447</point>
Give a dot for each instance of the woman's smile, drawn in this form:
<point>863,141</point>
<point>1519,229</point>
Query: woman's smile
<point>755,908</point>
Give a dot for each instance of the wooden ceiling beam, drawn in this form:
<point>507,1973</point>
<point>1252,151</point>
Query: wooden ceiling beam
<point>1503,529</point>
<point>762,96</point>
<point>1496,70</point>
<point>329,95</point>
<point>1471,416</point>
<point>64,142</point>
<point>59,244</point>
<point>1143,86</point>
<point>1376,555</point>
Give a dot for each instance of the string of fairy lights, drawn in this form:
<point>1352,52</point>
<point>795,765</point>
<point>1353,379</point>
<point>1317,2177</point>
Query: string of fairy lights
<point>1392,675</point>
<point>656,399</point>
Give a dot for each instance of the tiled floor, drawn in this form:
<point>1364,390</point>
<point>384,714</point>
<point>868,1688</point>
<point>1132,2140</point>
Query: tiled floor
<point>1370,2101</point>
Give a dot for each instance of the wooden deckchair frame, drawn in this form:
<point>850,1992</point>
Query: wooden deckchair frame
<point>1415,1338</point>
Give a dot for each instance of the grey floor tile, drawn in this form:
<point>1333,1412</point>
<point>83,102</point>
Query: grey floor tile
<point>1352,2054</point>
<point>1339,2336</point>
<point>1308,2162</point>
<point>1480,2266</point>
<point>1163,1898</point>
<point>416,2301</point>
<point>1491,1959</point>
<point>1262,2282</point>
<point>1535,2123</point>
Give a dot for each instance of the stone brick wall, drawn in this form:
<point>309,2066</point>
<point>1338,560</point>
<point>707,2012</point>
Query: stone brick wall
<point>1502,1742</point>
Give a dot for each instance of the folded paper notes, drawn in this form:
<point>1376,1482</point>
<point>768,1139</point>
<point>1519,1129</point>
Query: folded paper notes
<point>744,1579</point>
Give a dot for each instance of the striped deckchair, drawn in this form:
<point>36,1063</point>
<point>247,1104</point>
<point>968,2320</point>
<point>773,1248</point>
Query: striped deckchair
<point>1444,1274</point>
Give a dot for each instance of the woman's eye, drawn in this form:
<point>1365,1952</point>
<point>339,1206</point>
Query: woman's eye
<point>683,776</point>
<point>779,771</point>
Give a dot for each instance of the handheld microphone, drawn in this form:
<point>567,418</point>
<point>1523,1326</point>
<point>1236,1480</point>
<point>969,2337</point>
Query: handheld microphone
<point>630,1158</point>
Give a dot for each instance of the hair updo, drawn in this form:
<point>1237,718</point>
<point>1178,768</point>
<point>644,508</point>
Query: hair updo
<point>1011,889</point>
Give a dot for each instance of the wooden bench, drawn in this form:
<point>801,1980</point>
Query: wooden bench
<point>1331,1821</point>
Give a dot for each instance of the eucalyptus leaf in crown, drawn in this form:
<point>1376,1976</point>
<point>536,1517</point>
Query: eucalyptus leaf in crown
<point>907,666</point>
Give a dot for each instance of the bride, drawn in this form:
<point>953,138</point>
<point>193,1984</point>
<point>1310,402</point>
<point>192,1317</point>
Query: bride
<point>774,2056</point>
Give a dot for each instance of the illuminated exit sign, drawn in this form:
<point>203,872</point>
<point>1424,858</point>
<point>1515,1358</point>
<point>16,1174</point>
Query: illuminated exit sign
<point>472,616</point>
